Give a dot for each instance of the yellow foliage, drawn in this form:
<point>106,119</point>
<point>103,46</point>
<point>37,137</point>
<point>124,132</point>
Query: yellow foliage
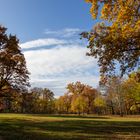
<point>122,14</point>
<point>118,39</point>
<point>88,1</point>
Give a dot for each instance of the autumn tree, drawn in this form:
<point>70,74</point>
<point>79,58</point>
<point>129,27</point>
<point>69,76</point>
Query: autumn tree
<point>131,88</point>
<point>100,104</point>
<point>89,95</point>
<point>82,97</point>
<point>48,100</point>
<point>115,95</point>
<point>13,70</point>
<point>63,103</point>
<point>67,102</point>
<point>41,100</point>
<point>16,101</point>
<point>59,105</point>
<point>116,40</point>
<point>79,104</point>
<point>75,88</point>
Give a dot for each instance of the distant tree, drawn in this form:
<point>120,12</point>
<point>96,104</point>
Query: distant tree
<point>47,94</point>
<point>48,100</point>
<point>60,105</point>
<point>117,40</point>
<point>83,94</point>
<point>67,102</point>
<point>100,104</point>
<point>41,100</point>
<point>89,95</point>
<point>115,95</point>
<point>13,70</point>
<point>79,104</point>
<point>75,88</point>
<point>131,87</point>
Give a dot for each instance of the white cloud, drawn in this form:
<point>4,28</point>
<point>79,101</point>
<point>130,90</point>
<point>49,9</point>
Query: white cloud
<point>70,59</point>
<point>42,42</point>
<point>57,66</point>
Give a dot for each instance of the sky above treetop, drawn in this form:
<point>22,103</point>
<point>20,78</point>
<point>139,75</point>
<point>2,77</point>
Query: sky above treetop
<point>48,31</point>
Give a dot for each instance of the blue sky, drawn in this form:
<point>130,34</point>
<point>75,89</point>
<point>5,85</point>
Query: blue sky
<point>48,32</point>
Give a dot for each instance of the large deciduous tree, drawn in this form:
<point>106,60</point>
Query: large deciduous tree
<point>116,40</point>
<point>82,97</point>
<point>13,71</point>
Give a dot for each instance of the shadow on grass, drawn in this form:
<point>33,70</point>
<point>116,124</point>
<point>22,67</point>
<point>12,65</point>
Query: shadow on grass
<point>69,116</point>
<point>24,129</point>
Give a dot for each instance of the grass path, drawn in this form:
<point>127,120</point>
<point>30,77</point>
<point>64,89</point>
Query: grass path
<point>51,127</point>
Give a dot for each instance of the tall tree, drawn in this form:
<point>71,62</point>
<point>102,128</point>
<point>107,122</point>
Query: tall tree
<point>115,95</point>
<point>48,100</point>
<point>116,40</point>
<point>75,88</point>
<point>13,70</point>
<point>82,97</point>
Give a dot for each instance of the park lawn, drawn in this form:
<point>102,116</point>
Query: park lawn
<point>68,127</point>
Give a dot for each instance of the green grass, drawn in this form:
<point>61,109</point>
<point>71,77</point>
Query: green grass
<point>52,127</point>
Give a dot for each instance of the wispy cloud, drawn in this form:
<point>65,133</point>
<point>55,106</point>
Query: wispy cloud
<point>66,33</point>
<point>42,42</point>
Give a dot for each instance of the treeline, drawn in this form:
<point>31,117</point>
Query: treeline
<point>37,100</point>
<point>117,97</point>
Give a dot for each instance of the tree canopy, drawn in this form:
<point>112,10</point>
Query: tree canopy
<point>116,40</point>
<point>13,70</point>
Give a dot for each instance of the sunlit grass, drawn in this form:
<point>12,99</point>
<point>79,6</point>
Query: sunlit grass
<point>67,127</point>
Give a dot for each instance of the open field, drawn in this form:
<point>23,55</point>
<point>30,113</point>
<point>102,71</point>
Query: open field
<point>47,127</point>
